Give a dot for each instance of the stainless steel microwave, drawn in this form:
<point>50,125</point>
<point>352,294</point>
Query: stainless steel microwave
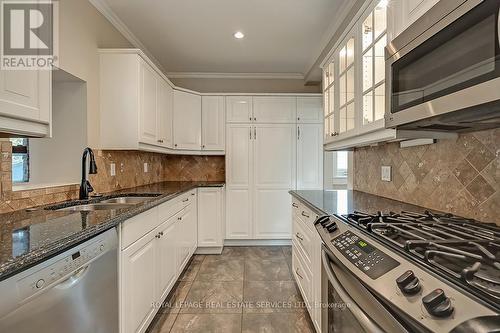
<point>444,70</point>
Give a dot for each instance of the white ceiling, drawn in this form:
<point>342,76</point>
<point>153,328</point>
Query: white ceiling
<point>281,36</point>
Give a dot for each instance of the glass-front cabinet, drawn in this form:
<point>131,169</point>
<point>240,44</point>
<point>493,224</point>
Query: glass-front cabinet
<point>354,77</point>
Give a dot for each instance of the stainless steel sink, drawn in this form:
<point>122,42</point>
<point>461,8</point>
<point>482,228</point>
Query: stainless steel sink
<point>95,206</point>
<point>126,200</point>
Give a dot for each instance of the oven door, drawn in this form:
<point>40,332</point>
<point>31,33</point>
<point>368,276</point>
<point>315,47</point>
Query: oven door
<point>451,66</point>
<point>351,306</point>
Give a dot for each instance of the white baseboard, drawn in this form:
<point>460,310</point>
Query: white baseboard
<point>209,250</point>
<point>257,242</point>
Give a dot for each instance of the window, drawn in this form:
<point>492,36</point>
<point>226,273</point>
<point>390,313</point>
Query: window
<point>340,164</point>
<point>20,160</point>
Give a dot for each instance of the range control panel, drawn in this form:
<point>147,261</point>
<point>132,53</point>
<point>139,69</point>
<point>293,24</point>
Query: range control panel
<point>367,258</point>
<point>37,281</point>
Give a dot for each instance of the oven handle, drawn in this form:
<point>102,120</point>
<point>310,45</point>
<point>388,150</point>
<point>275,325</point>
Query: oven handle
<point>366,322</point>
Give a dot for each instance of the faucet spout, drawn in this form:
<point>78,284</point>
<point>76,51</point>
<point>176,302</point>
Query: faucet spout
<point>85,187</point>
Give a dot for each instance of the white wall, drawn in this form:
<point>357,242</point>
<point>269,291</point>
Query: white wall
<point>58,160</point>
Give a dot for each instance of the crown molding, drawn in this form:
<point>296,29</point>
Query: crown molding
<point>208,75</point>
<point>108,13</point>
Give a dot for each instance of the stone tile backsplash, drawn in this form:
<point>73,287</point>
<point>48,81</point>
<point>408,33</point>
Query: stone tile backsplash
<point>460,176</point>
<point>129,166</point>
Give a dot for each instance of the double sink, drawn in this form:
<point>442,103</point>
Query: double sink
<point>107,204</point>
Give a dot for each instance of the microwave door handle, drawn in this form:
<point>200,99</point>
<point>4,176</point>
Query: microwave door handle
<point>366,322</point>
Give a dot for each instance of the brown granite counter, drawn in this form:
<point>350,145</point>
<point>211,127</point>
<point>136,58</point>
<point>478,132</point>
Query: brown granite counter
<point>28,237</point>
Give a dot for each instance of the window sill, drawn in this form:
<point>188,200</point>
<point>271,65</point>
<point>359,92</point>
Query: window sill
<point>26,187</point>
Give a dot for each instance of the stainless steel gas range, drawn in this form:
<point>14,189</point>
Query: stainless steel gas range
<point>409,272</point>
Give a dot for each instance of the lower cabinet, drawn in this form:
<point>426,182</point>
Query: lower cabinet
<point>210,218</point>
<point>306,260</point>
<point>152,262</point>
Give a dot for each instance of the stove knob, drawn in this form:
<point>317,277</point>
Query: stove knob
<point>408,283</point>
<point>437,304</point>
<point>332,227</point>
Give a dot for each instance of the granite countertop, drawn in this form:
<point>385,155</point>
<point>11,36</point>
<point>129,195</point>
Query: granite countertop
<point>340,202</point>
<point>28,237</point>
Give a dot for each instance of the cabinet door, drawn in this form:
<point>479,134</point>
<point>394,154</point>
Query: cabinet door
<point>148,89</point>
<point>165,113</point>
<point>166,261</point>
<point>26,94</point>
<point>309,156</point>
<point>210,217</point>
<point>186,235</point>
<point>239,177</point>
<point>274,109</point>
<point>187,120</point>
<point>274,175</point>
<point>239,109</point>
<point>139,283</point>
<point>309,110</point>
<point>212,123</point>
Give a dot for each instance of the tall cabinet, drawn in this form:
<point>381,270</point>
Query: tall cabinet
<point>273,145</point>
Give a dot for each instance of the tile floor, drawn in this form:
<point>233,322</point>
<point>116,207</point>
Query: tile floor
<point>245,289</point>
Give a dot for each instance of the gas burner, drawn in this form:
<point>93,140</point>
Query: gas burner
<point>364,220</point>
<point>460,249</point>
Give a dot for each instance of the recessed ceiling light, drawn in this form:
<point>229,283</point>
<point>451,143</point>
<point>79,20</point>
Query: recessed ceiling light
<point>239,35</point>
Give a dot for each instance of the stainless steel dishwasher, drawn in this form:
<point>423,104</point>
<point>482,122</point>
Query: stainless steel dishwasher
<point>73,292</point>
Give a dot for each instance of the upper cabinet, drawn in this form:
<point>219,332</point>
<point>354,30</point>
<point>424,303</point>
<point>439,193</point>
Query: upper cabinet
<point>187,120</point>
<point>354,82</point>
<point>165,114</point>
<point>212,123</point>
<point>274,109</point>
<point>309,110</point>
<point>239,109</point>
<point>403,13</point>
<point>25,102</point>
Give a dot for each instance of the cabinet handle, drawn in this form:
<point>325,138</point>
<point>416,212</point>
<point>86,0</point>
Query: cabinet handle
<point>255,133</point>
<point>203,147</point>
<point>250,118</point>
<point>304,214</point>
<point>299,236</point>
<point>160,141</point>
<point>185,200</point>
<point>175,145</point>
<point>250,131</point>
<point>298,132</point>
<point>179,218</point>
<point>157,236</point>
<point>295,205</point>
<point>298,274</point>
<point>161,233</point>
<point>334,134</point>
<point>254,118</point>
<point>192,194</point>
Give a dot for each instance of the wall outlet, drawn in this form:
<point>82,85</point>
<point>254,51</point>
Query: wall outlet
<point>386,173</point>
<point>112,169</point>
<point>146,167</point>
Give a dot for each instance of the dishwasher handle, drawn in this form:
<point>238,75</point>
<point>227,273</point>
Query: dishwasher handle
<point>72,280</point>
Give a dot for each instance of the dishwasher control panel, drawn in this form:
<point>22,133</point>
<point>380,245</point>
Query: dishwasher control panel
<point>37,281</point>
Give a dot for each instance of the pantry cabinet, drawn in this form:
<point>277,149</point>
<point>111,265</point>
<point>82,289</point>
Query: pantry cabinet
<point>187,120</point>
<point>309,156</point>
<point>25,102</point>
<point>309,110</point>
<point>239,109</point>
<point>274,109</point>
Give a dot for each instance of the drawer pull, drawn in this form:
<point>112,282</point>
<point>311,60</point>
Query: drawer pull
<point>295,205</point>
<point>298,274</point>
<point>179,218</point>
<point>299,236</point>
<point>304,214</point>
<point>185,200</point>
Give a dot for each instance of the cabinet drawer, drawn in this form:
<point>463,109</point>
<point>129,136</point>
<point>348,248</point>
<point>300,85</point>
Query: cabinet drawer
<point>303,276</point>
<point>170,208</point>
<point>139,225</point>
<point>304,213</point>
<point>303,238</point>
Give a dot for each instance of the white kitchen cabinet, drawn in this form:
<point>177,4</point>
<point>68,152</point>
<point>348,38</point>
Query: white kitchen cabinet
<point>25,102</point>
<point>165,260</point>
<point>405,12</point>
<point>309,110</point>
<point>212,123</point>
<point>139,283</point>
<point>239,181</point>
<point>148,120</point>
<point>239,109</point>
<point>309,156</point>
<point>165,114</point>
<point>210,214</point>
<point>273,180</point>
<point>187,120</point>
<point>274,109</point>
<point>186,236</point>
<point>136,95</point>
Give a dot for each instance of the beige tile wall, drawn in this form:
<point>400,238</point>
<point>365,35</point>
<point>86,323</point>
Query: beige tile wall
<point>129,173</point>
<point>460,176</point>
